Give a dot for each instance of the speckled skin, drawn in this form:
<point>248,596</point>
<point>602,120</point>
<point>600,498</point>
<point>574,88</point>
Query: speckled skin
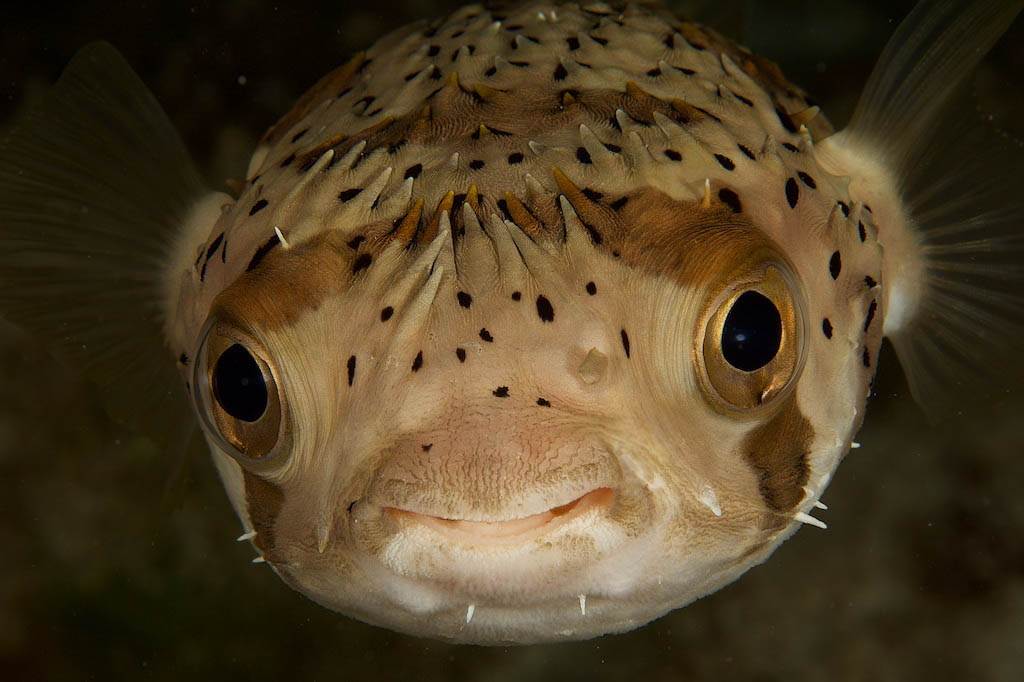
<point>479,261</point>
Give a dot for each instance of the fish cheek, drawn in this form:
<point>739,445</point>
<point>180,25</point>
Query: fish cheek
<point>778,451</point>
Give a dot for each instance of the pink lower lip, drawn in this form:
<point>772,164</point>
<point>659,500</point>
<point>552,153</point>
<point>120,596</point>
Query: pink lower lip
<point>513,528</point>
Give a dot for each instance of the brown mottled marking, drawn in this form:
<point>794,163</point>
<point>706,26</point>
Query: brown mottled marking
<point>778,451</point>
<point>286,283</point>
<point>325,88</point>
<point>263,501</point>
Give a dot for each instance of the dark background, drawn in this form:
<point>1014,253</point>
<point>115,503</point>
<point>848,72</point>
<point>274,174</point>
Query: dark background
<point>109,572</point>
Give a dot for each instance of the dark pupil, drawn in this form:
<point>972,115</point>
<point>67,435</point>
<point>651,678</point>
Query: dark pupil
<point>752,332</point>
<point>238,384</point>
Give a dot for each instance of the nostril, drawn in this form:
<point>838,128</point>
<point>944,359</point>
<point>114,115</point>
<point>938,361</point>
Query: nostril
<point>593,367</point>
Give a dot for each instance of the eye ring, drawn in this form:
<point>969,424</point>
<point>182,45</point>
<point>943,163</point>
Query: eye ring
<point>744,362</point>
<point>238,395</point>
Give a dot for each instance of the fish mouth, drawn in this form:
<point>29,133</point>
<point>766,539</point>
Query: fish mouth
<point>510,530</point>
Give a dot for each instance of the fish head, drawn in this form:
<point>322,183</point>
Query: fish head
<point>510,422</point>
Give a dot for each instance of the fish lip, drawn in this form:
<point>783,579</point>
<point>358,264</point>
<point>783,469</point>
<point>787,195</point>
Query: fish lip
<point>515,530</point>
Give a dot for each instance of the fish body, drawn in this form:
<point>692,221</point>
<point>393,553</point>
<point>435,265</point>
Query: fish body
<point>536,324</point>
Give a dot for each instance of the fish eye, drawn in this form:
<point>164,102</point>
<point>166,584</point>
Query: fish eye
<point>238,384</point>
<point>753,340</point>
<point>752,332</point>
<point>237,394</point>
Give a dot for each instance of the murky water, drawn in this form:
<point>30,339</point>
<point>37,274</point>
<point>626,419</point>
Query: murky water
<point>107,573</point>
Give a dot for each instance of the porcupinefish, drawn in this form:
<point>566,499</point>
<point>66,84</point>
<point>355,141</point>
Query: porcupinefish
<point>526,324</point>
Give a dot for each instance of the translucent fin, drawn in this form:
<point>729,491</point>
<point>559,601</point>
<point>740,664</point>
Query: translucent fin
<point>94,185</point>
<point>953,231</point>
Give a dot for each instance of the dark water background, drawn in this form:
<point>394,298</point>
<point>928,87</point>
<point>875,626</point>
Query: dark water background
<point>920,575</point>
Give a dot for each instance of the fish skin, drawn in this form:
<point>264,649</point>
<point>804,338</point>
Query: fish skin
<point>663,115</point>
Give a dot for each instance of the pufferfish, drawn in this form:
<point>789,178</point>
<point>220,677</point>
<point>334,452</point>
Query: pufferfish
<point>528,324</point>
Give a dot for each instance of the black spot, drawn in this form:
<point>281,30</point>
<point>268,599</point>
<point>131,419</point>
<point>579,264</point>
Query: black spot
<point>298,136</point>
<point>426,447</point>
<point>224,252</point>
<point>785,120</point>
<point>351,369</point>
<point>393,148</point>
<point>654,73</point>
<point>807,179</point>
<point>673,155</point>
<point>435,74</point>
<point>543,403</point>
<point>465,300</point>
<point>413,171</point>
<point>743,99</point>
<point>503,207</point>
<point>521,65</point>
<point>258,206</point>
<point>871,314</point>
<point>544,309</point>
<point>592,194</point>
<point>500,392</point>
<point>625,341</point>
<point>574,42</point>
<point>410,76</point>
<point>583,156</point>
<point>349,194</point>
<point>669,41</point>
<point>514,158</point>
<point>516,295</point>
<point>344,92</point>
<point>355,241</point>
<point>845,208</point>
<point>862,231</point>
<point>457,34</point>
<point>461,354</point>
<point>288,160</point>
<point>870,281</point>
<point>835,265</point>
<point>457,206</point>
<point>591,288</point>
<point>613,148</point>
<point>362,262</point>
<point>183,359</point>
<point>560,73</point>
<point>790,147</point>
<point>262,252</point>
<point>619,203</point>
<point>731,199</point>
<point>826,327</point>
<point>726,162</point>
<point>476,164</point>
<point>746,152</point>
<point>866,358</point>
<point>683,69</point>
<point>417,362</point>
<point>597,39</point>
<point>213,245</point>
<point>386,313</point>
<point>792,192</point>
<point>486,335</point>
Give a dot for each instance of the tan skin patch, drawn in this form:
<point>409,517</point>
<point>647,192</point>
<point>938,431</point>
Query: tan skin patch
<point>263,501</point>
<point>778,451</point>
